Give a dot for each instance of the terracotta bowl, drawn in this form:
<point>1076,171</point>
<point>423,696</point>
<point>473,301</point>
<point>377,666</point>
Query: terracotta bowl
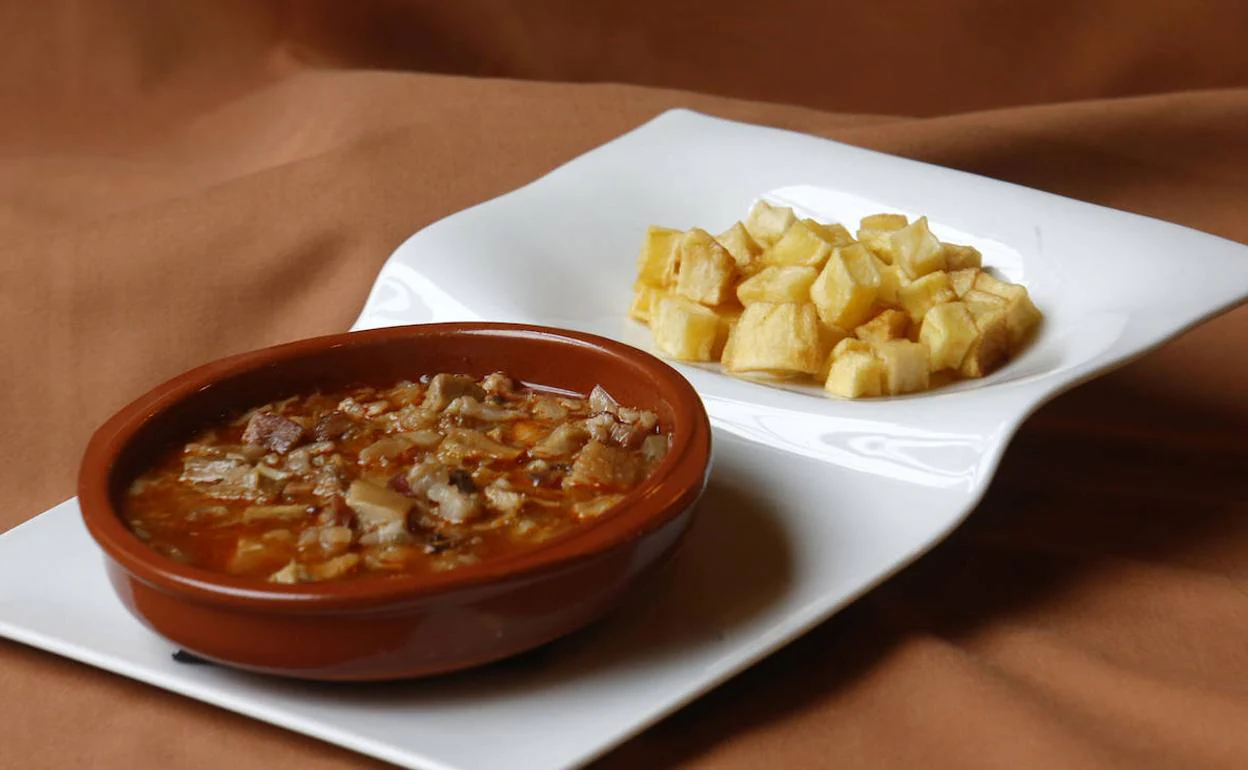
<point>405,626</point>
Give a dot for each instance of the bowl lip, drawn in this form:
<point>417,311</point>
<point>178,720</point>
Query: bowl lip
<point>675,484</point>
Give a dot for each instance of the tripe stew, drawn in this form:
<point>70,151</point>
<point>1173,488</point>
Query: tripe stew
<point>420,477</point>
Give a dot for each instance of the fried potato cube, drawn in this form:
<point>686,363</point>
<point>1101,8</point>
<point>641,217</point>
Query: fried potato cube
<point>706,271</point>
<point>915,250</point>
<point>831,338</point>
<point>744,250</point>
<point>766,223</point>
<point>685,330</point>
<point>729,317</point>
<point>1021,315</point>
<point>883,222</point>
<point>988,282</point>
<point>851,344</point>
<point>801,246</point>
<point>873,232</point>
<point>856,374</point>
<point>963,280</point>
<point>656,265</point>
<point>777,285</point>
<point>924,293</point>
<point>958,257</point>
<point>888,325</point>
<point>975,298</point>
<point>847,287</point>
<point>891,280</point>
<point>833,233</point>
<point>948,331</point>
<point>991,346</point>
<point>907,366</point>
<point>1023,319</point>
<point>776,338</point>
<point>645,298</point>
<point>825,368</point>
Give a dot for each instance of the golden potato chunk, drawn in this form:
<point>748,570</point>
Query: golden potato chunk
<point>706,270</point>
<point>991,346</point>
<point>958,257</point>
<point>686,330</point>
<point>873,232</point>
<point>915,250</point>
<point>1021,315</point>
<point>907,366</point>
<point>780,296</point>
<point>729,316</point>
<point>835,234</point>
<point>766,223</point>
<point>888,325</point>
<point>924,293</point>
<point>644,300</point>
<point>850,344</point>
<point>656,265</point>
<point>948,331</point>
<point>886,222</point>
<point>777,285</point>
<point>801,245</point>
<point>891,281</point>
<point>847,287</point>
<point>963,280</point>
<point>744,250</point>
<point>976,298</point>
<point>856,374</point>
<point>776,338</point>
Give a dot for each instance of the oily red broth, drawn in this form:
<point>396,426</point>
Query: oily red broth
<point>420,476</point>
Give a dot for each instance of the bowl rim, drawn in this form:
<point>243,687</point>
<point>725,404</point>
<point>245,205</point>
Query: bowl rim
<point>674,485</point>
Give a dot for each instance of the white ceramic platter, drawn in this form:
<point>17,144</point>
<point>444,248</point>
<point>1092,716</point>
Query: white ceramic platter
<point>812,501</point>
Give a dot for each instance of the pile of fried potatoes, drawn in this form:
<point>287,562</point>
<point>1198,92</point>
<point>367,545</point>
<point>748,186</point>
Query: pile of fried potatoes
<point>891,311</point>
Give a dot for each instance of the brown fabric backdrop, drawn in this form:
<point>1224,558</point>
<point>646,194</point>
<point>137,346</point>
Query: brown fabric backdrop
<point>179,181</point>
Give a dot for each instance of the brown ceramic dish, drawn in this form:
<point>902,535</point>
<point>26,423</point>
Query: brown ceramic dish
<point>388,628</point>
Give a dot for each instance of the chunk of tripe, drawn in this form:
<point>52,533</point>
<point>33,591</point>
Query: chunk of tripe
<point>273,512</point>
<point>685,330</point>
<point>705,270</point>
<point>602,466</point>
<point>745,251</point>
<point>376,506</point>
<point>888,325</point>
<point>907,366</point>
<point>801,246</point>
<point>918,296</point>
<point>766,223</point>
<point>856,374</point>
<point>948,330</point>
<point>777,285</point>
<point>847,287</point>
<point>777,339</point>
<point>915,250</point>
<point>656,264</point>
<point>992,342</point>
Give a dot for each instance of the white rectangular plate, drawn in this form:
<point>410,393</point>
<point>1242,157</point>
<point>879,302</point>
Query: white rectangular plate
<point>812,500</point>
